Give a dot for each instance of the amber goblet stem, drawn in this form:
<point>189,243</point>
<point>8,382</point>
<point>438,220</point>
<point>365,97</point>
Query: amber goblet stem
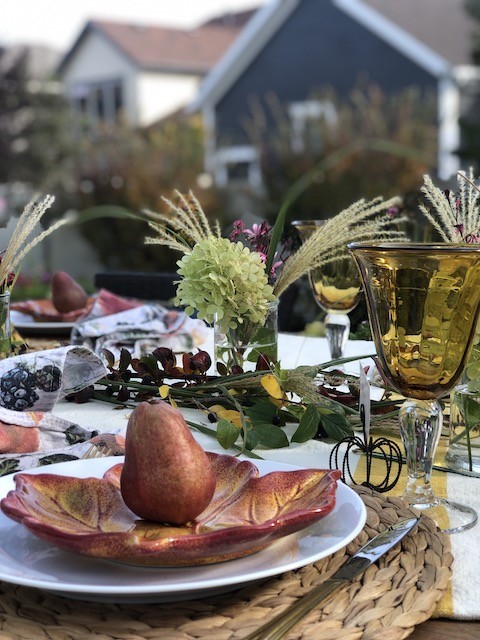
<point>420,428</point>
<point>420,425</point>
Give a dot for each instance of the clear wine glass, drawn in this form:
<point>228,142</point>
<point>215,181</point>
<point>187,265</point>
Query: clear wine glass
<point>337,290</point>
<point>423,304</point>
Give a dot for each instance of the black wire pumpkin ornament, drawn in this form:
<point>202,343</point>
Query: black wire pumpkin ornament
<point>386,451</point>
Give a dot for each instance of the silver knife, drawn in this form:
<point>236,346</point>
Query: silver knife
<point>277,627</point>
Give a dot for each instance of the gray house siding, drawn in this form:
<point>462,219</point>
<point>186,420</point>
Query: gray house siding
<point>318,46</point>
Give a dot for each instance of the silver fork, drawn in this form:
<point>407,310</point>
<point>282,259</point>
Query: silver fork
<point>97,451</point>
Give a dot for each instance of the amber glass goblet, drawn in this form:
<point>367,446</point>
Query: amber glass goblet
<point>337,289</point>
<point>423,304</point>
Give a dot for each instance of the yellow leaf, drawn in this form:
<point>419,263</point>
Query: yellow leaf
<point>163,391</point>
<point>228,414</point>
<point>173,403</point>
<point>272,387</point>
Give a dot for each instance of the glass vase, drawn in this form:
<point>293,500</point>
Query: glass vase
<point>463,452</point>
<point>5,326</point>
<point>464,431</point>
<point>239,349</point>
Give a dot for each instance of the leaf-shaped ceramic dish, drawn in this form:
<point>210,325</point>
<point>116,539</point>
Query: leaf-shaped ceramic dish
<point>247,512</point>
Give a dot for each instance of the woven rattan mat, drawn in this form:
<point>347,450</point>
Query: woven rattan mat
<point>385,603</point>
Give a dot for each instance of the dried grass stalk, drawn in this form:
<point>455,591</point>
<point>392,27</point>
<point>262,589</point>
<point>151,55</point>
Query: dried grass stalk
<point>454,215</point>
<point>361,221</point>
<point>184,226</point>
<point>22,241</point>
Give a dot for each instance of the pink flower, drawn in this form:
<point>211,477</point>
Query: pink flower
<point>238,230</point>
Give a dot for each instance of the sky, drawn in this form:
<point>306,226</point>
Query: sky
<point>58,22</point>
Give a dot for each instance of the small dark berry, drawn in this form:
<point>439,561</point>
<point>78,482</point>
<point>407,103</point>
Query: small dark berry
<point>212,417</point>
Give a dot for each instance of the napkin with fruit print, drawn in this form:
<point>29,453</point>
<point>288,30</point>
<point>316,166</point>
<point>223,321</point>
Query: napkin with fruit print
<point>36,381</point>
<point>140,330</point>
<point>30,386</point>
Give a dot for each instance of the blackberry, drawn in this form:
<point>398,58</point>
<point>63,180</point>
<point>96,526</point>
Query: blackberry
<point>17,389</point>
<point>49,378</point>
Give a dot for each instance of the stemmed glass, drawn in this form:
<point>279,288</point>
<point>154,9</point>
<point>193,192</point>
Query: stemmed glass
<point>337,289</point>
<point>423,304</point>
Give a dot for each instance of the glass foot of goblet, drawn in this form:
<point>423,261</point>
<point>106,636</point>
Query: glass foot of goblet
<point>337,329</point>
<point>420,428</point>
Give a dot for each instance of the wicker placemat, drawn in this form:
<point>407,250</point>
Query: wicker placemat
<point>383,604</point>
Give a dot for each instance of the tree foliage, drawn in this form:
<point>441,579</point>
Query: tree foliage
<point>469,150</point>
<point>368,145</point>
<point>33,131</point>
<point>133,169</point>
<point>473,9</point>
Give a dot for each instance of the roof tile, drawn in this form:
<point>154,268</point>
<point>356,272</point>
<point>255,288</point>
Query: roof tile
<point>162,48</point>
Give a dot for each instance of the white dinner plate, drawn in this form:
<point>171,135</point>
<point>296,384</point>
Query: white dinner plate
<point>24,322</point>
<point>27,560</point>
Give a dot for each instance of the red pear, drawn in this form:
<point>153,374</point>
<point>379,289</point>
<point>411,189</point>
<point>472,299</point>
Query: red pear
<point>166,476</point>
<point>67,295</point>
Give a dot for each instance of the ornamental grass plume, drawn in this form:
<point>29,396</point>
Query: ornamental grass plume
<point>456,215</point>
<point>186,225</point>
<point>363,220</point>
<point>21,241</point>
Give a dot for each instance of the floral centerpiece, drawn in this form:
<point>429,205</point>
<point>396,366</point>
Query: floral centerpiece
<point>236,282</point>
<point>25,236</point>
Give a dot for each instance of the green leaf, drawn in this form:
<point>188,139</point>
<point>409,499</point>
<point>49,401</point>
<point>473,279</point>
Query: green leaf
<point>309,372</point>
<point>262,412</point>
<point>270,436</point>
<point>295,410</point>
<point>253,439</point>
<point>269,350</point>
<point>150,362</point>
<point>472,411</point>
<point>308,425</point>
<point>227,433</point>
<point>336,425</point>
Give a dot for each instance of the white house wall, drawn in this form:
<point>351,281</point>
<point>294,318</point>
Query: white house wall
<point>160,94</point>
<point>97,60</point>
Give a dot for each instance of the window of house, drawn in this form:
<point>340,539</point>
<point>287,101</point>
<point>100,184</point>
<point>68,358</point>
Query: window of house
<point>237,165</point>
<point>304,118</point>
<point>98,101</point>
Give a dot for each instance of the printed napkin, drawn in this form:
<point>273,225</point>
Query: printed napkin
<point>30,386</point>
<point>140,330</point>
<point>35,439</point>
<point>36,381</point>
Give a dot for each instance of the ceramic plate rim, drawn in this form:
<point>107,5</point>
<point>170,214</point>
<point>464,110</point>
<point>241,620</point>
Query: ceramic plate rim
<point>96,468</point>
<point>38,326</point>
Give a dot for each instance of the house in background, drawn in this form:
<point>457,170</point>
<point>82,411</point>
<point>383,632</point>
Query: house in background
<point>293,48</point>
<point>145,72</point>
